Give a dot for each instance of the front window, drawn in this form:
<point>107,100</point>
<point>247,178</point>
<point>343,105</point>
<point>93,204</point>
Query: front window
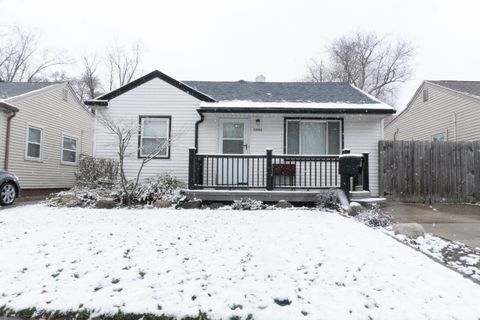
<point>313,136</point>
<point>154,137</point>
<point>69,150</point>
<point>34,143</point>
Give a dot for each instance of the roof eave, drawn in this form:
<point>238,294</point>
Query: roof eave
<point>294,110</point>
<point>8,107</point>
<point>96,103</point>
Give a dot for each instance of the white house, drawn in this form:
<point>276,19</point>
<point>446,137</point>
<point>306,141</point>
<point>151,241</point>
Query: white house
<point>232,124</point>
<point>44,128</point>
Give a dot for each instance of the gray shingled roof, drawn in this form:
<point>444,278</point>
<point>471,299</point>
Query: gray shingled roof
<point>324,92</point>
<point>468,87</point>
<point>12,89</point>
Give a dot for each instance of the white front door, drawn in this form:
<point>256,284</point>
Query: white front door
<point>234,136</point>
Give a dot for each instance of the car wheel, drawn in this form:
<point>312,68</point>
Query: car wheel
<point>7,194</point>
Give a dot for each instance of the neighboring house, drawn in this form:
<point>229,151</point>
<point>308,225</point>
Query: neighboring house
<point>439,111</point>
<point>44,130</point>
<point>233,123</point>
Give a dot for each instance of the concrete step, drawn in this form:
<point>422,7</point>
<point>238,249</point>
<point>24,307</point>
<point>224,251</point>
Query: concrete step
<point>359,194</point>
<point>371,202</point>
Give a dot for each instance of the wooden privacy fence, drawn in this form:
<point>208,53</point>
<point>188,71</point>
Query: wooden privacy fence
<point>424,171</point>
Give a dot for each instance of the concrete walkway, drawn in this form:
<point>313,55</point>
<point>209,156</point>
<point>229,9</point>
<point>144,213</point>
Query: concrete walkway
<point>459,222</point>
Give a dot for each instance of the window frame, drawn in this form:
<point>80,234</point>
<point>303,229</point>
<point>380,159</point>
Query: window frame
<point>310,119</point>
<point>444,133</point>
<point>73,137</point>
<point>27,142</point>
<point>140,135</point>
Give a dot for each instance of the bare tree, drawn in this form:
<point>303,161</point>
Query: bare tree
<point>88,85</point>
<point>122,64</point>
<point>123,132</point>
<point>20,59</point>
<point>372,63</point>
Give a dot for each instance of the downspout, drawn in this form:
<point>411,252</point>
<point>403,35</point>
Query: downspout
<point>197,124</point>
<point>7,139</point>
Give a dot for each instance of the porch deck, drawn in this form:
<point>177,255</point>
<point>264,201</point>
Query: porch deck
<point>269,177</point>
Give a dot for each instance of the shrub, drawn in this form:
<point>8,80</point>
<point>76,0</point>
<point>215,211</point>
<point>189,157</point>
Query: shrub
<point>164,187</point>
<point>374,218</point>
<point>248,204</point>
<point>328,200</point>
<point>93,172</point>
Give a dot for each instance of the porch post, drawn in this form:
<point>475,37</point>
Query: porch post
<point>269,170</point>
<point>344,179</point>
<point>191,168</point>
<point>365,180</point>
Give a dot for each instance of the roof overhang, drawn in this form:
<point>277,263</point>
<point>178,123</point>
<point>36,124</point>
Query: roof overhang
<point>303,107</point>
<point>96,103</point>
<point>8,107</point>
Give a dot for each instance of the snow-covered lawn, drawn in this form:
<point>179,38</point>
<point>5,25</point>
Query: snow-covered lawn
<point>273,264</point>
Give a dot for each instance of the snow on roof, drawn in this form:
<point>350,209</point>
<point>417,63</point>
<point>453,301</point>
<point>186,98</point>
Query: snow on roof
<point>297,105</point>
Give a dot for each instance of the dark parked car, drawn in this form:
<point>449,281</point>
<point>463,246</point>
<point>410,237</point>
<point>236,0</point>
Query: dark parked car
<point>9,188</point>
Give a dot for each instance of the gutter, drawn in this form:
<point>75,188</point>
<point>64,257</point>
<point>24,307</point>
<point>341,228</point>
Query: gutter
<point>13,111</point>
<point>197,124</point>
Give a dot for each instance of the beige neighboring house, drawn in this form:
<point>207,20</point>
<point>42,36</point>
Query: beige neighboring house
<point>44,128</point>
<point>439,111</point>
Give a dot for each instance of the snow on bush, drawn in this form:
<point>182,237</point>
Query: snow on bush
<point>164,187</point>
<point>328,200</point>
<point>248,204</point>
<point>374,218</point>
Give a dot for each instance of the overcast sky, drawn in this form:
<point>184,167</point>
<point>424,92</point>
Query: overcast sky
<point>232,40</point>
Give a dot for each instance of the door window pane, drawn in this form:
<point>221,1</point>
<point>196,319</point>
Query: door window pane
<point>334,137</point>
<point>312,137</point>
<point>293,141</point>
<point>233,130</point>
<point>233,146</point>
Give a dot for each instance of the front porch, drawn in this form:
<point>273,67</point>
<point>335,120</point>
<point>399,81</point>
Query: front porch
<point>270,177</point>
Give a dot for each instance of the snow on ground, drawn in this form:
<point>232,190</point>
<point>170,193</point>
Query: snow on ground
<point>455,254</point>
<point>317,265</point>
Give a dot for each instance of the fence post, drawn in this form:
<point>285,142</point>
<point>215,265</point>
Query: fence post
<point>191,168</point>
<point>365,180</point>
<point>344,179</point>
<point>269,170</point>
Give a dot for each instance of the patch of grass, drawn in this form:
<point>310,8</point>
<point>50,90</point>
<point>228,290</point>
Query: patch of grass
<point>85,314</point>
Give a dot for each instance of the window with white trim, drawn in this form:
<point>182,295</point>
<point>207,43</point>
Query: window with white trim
<point>69,149</point>
<point>154,137</point>
<point>438,137</point>
<point>311,136</point>
<point>34,143</point>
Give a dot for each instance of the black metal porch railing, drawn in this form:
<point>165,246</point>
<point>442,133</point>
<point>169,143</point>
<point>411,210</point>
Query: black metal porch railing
<point>268,171</point>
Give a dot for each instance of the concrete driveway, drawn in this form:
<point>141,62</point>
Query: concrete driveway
<point>459,222</point>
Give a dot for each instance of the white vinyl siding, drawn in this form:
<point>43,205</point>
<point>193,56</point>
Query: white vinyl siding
<point>46,108</point>
<point>33,144</point>
<point>445,111</point>
<point>3,133</point>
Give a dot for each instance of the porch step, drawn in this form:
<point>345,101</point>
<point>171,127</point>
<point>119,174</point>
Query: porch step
<point>354,195</point>
<point>262,195</point>
<point>371,202</point>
